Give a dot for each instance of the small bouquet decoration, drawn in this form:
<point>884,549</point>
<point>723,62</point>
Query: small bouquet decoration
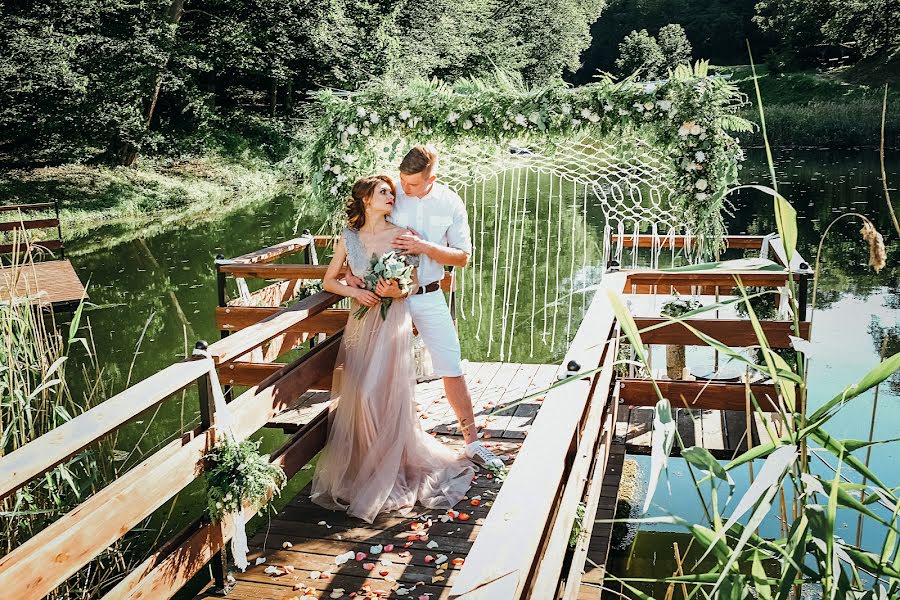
<point>390,265</point>
<point>237,474</point>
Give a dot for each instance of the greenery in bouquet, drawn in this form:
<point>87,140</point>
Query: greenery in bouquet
<point>239,473</point>
<point>389,266</point>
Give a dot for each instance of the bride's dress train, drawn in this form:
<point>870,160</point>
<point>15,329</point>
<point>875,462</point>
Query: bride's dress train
<point>378,458</point>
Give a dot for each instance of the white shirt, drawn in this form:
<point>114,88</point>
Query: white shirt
<point>439,217</point>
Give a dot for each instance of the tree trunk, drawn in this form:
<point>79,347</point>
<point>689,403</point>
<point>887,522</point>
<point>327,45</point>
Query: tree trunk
<point>126,153</point>
<point>273,97</point>
<point>288,92</point>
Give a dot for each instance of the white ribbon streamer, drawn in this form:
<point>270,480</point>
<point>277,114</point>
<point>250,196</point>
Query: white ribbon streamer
<point>224,429</point>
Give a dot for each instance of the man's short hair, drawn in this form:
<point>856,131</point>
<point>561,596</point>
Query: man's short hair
<point>420,158</point>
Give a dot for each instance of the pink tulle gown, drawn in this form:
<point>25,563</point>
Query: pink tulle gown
<point>378,458</point>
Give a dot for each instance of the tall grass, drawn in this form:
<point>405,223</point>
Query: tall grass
<point>35,397</point>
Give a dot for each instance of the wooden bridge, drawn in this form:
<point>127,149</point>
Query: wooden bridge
<point>508,540</point>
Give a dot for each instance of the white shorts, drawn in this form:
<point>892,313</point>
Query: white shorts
<point>431,316</point>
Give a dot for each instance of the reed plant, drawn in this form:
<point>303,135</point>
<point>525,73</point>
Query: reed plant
<point>810,554</point>
<point>35,397</point>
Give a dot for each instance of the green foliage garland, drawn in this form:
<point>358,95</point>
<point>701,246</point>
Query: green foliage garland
<point>688,117</point>
<point>237,474</point>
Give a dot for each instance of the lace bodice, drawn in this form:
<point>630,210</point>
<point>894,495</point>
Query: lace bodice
<point>359,257</point>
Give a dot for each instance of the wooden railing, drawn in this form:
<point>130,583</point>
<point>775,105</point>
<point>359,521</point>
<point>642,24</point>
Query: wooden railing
<point>46,560</point>
<point>21,223</point>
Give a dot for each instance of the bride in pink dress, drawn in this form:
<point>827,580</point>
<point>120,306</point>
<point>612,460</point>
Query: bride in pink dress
<point>378,458</point>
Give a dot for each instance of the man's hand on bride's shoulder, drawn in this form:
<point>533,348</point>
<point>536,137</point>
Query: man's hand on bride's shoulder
<point>388,289</point>
<point>410,242</point>
<point>364,297</point>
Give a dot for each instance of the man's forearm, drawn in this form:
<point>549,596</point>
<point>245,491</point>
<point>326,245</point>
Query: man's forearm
<point>451,257</point>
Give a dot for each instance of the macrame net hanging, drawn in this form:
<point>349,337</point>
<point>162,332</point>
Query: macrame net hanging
<point>543,216</point>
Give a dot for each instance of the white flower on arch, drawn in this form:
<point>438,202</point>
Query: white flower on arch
<point>701,184</point>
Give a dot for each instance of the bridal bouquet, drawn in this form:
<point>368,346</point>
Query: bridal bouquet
<point>390,265</point>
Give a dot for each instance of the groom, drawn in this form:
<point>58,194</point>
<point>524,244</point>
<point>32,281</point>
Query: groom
<point>438,232</point>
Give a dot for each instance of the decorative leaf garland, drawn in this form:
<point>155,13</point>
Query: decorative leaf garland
<point>238,474</point>
<point>688,117</point>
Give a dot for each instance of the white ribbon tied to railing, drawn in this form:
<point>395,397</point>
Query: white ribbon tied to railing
<point>224,428</point>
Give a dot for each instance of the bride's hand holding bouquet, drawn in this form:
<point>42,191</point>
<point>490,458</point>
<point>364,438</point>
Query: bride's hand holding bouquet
<point>391,277</point>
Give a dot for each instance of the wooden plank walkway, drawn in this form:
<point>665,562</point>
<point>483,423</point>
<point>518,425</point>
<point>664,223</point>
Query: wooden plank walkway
<point>493,386</point>
<point>53,283</point>
<point>722,432</point>
<point>307,538</point>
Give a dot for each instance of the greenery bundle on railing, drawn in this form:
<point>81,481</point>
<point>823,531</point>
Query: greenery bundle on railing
<point>688,117</point>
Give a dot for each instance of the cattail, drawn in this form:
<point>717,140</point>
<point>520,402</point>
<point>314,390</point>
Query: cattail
<point>877,253</point>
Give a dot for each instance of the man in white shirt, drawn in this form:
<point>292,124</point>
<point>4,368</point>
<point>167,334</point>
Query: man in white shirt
<point>438,232</point>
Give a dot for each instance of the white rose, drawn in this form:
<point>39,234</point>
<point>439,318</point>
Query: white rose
<point>374,118</point>
<point>703,136</point>
<point>701,196</point>
<point>521,121</point>
<point>404,114</point>
<point>349,159</point>
<point>333,189</point>
<point>665,105</point>
<point>336,169</point>
<point>479,119</point>
<point>453,117</point>
<point>701,184</point>
<point>684,130</point>
<point>365,131</point>
<point>341,178</point>
<point>593,117</point>
<point>326,167</point>
<point>391,120</point>
<point>467,124</point>
<point>576,122</point>
<point>608,107</point>
<point>696,129</point>
<point>623,112</point>
<point>638,107</point>
<point>352,129</point>
<point>565,109</point>
<point>361,112</point>
<point>699,156</point>
<point>585,112</point>
<point>691,167</point>
<point>648,106</point>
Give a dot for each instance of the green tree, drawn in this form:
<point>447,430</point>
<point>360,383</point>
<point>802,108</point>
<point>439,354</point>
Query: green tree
<point>639,52</point>
<point>674,45</point>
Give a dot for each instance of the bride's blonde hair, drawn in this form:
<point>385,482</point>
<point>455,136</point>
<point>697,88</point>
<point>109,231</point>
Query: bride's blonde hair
<point>363,189</point>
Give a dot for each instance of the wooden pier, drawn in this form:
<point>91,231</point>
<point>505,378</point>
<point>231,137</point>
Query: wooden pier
<point>565,446</point>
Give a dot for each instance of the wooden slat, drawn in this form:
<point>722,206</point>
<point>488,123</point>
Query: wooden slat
<point>697,394</point>
<point>646,241</point>
<point>271,253</point>
<point>242,342</point>
<point>663,279</point>
<point>58,445</point>
<point>235,318</point>
<point>713,435</point>
<point>592,443</point>
<point>32,224</point>
<point>247,373</point>
<point>28,207</point>
<point>640,426</point>
<point>264,271</point>
<point>734,333</point>
<point>51,245</point>
<point>525,413</point>
<point>76,538</point>
<point>502,557</point>
<point>512,390</point>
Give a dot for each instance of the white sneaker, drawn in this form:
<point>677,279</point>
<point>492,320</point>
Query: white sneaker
<point>483,457</point>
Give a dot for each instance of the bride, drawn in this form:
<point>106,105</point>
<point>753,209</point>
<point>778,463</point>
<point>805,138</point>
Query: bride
<point>378,458</point>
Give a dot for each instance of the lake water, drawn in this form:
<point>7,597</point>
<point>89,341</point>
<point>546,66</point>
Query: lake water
<point>155,297</point>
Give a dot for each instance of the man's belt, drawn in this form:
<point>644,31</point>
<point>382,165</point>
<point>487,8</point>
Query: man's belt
<point>431,287</point>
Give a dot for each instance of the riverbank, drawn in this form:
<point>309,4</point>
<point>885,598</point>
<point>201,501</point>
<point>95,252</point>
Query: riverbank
<point>150,197</point>
<point>810,109</point>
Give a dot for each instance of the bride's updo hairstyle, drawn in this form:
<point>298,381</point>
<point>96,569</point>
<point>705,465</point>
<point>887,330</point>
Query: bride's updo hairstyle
<point>359,195</point>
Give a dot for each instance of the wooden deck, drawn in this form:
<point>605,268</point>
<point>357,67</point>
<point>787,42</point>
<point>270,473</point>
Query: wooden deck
<point>52,283</point>
<point>492,385</point>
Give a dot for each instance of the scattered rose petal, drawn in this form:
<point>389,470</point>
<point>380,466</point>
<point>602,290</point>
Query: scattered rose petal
<point>464,516</point>
<point>260,560</point>
<point>428,559</point>
<point>432,545</point>
<point>315,574</point>
<point>407,544</point>
<point>288,568</point>
<point>386,562</point>
<point>404,554</point>
<point>401,591</point>
<point>389,548</point>
<point>458,561</point>
<point>337,593</point>
<point>368,566</point>
<point>412,538</point>
<point>437,578</point>
<point>376,549</point>
<point>326,575</point>
<point>384,572</point>
<point>342,558</point>
<point>423,538</point>
<point>272,570</point>
<point>441,558</point>
<point>287,545</point>
<point>361,555</point>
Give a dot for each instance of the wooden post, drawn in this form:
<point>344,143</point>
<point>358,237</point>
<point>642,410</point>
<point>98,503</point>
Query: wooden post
<point>803,294</point>
<point>223,302</point>
<point>208,419</point>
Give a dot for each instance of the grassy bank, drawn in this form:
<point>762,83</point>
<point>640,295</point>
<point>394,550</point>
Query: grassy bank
<point>813,109</point>
<point>154,195</point>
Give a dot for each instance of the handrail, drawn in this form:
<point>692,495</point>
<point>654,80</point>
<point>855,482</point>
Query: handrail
<point>503,556</point>
<point>58,445</point>
<point>744,242</point>
<point>28,207</point>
